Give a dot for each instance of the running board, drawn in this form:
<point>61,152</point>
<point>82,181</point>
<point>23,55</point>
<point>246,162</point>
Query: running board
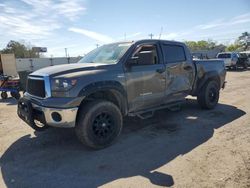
<point>145,114</point>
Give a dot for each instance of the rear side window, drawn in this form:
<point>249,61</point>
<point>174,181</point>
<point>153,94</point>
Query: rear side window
<point>173,53</point>
<point>224,56</point>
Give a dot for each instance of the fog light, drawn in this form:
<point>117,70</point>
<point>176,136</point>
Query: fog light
<point>56,116</point>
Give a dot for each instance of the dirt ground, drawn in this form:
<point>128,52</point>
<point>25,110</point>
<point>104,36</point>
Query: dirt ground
<point>189,148</point>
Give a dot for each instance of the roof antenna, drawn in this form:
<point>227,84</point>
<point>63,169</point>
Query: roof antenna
<point>160,33</point>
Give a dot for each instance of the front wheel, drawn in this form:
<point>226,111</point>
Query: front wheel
<point>208,97</point>
<point>99,123</point>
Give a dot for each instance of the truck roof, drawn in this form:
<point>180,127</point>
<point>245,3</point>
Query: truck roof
<point>158,40</point>
<point>150,40</point>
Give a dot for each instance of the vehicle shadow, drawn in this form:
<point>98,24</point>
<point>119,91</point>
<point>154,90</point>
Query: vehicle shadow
<point>238,70</point>
<point>55,158</point>
<point>9,101</point>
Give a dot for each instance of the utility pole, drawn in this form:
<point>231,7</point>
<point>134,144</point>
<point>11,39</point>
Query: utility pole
<point>66,53</point>
<point>151,35</point>
<point>160,33</point>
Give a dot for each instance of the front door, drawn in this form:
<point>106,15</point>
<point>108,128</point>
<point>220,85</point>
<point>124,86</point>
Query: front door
<point>146,82</point>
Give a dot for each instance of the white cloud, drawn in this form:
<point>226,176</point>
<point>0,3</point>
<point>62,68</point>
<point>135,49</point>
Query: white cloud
<point>37,19</point>
<point>170,36</point>
<point>244,18</point>
<point>20,26</point>
<point>214,24</point>
<point>241,19</point>
<point>91,34</point>
<point>222,30</point>
<point>129,36</point>
<point>133,35</point>
<point>70,9</point>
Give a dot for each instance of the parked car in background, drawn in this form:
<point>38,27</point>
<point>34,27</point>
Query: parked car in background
<point>242,60</point>
<point>230,59</point>
<point>247,53</point>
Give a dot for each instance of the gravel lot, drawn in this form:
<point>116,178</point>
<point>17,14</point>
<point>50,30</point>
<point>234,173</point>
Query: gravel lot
<point>189,148</point>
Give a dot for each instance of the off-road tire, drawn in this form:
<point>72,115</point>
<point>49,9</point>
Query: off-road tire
<point>209,95</point>
<point>99,123</point>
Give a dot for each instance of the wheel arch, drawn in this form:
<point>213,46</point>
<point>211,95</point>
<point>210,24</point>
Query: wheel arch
<point>111,91</point>
<point>213,75</point>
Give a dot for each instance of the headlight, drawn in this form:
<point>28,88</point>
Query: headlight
<point>62,84</point>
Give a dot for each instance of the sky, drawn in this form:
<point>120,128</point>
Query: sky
<point>79,25</point>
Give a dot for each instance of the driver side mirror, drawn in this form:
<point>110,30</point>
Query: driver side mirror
<point>133,61</point>
<point>143,58</point>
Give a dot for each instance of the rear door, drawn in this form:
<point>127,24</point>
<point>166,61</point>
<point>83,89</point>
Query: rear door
<point>146,82</point>
<point>180,71</point>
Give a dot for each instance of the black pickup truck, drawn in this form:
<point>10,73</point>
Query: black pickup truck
<point>116,80</point>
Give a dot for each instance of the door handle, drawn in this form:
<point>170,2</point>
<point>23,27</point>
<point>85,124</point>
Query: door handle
<point>162,70</point>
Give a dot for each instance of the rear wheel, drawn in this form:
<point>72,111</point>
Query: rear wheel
<point>4,95</point>
<point>209,95</point>
<point>99,123</point>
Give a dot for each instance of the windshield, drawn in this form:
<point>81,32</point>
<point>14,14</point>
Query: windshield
<point>107,54</point>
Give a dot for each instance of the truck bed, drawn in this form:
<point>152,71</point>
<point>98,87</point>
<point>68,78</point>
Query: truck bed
<point>208,68</point>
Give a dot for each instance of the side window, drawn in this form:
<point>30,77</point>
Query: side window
<point>173,53</point>
<point>146,49</point>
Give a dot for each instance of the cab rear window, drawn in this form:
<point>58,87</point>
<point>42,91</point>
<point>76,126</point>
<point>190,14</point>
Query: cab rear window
<point>174,53</point>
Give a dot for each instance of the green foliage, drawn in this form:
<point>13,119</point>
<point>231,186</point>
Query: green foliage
<point>20,50</point>
<point>234,48</point>
<point>201,45</point>
<point>240,44</point>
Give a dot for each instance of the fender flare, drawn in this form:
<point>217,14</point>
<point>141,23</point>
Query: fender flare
<point>212,75</point>
<point>115,87</point>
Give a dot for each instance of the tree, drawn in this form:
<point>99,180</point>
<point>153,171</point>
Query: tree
<point>20,50</point>
<point>240,44</point>
<point>192,45</point>
<point>244,40</point>
<point>201,45</point>
<point>234,48</point>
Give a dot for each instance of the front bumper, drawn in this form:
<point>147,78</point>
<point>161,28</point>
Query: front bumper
<point>68,116</point>
<point>55,117</point>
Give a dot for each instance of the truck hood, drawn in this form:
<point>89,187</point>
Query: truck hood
<point>67,68</point>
